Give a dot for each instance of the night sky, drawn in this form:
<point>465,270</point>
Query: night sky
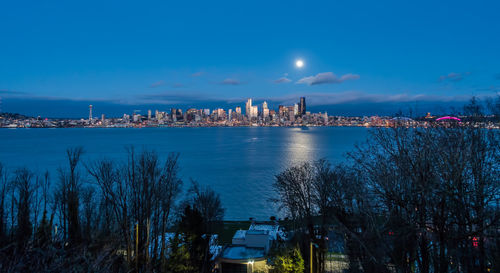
<point>360,57</point>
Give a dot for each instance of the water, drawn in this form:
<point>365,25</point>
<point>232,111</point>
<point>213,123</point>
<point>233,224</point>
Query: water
<point>239,163</point>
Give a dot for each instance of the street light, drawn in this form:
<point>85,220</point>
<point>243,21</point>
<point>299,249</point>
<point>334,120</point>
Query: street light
<point>251,263</point>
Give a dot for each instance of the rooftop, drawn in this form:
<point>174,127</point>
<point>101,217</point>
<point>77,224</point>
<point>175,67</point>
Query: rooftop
<point>272,229</point>
<point>240,234</point>
<point>242,252</point>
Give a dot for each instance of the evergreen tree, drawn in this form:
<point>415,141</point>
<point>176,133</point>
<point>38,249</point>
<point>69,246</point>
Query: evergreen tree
<point>179,259</point>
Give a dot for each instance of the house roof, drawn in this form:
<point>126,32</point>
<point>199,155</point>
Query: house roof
<point>240,234</point>
<point>272,229</point>
<point>236,252</point>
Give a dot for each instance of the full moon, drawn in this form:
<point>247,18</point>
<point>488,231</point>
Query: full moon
<point>299,63</point>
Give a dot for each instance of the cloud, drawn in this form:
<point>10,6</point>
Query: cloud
<point>178,85</point>
<point>283,79</point>
<point>454,77</point>
<point>230,81</point>
<point>197,74</point>
<point>327,77</point>
<point>352,97</point>
<point>156,84</point>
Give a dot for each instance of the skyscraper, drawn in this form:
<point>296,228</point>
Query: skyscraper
<point>254,111</point>
<point>302,106</point>
<point>248,108</point>
<point>90,112</point>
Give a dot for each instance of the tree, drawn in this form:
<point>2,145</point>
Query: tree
<point>179,258</point>
<point>288,260</point>
<point>303,193</point>
<point>24,197</point>
<point>73,195</point>
<point>202,213</point>
<point>437,187</point>
<point>191,230</point>
<point>4,183</point>
<point>141,193</point>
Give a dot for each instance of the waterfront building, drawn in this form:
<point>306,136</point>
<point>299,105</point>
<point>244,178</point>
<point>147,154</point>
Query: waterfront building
<point>295,109</point>
<point>149,114</point>
<point>238,110</point>
<point>90,113</point>
<point>229,114</point>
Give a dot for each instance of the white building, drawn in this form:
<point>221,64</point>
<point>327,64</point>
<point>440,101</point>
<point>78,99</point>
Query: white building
<point>249,248</point>
<point>254,112</point>
<point>265,113</point>
<point>248,108</point>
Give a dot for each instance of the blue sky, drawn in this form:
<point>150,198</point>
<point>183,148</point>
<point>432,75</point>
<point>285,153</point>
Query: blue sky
<point>133,55</point>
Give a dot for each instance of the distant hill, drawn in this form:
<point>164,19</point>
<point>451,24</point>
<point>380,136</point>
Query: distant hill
<point>13,116</point>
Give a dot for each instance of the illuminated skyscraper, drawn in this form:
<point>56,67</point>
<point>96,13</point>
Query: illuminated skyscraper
<point>302,106</point>
<point>248,108</point>
<point>254,112</point>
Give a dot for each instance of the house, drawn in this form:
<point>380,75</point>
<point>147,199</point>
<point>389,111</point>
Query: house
<point>249,249</point>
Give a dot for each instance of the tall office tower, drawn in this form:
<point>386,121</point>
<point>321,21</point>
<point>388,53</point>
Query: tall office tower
<point>90,112</point>
<point>206,112</point>
<point>254,112</point>
<point>238,110</point>
<point>173,114</point>
<point>248,108</point>
<point>179,114</point>
<point>229,114</point>
<point>295,109</point>
<point>302,106</point>
<point>103,118</point>
<point>265,113</point>
<point>264,106</point>
<point>149,114</point>
<point>281,110</point>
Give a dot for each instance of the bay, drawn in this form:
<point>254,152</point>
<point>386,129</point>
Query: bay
<point>238,162</point>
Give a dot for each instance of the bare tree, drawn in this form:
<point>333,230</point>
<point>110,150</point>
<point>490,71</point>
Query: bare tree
<point>25,189</point>
<point>4,180</point>
<point>141,193</point>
